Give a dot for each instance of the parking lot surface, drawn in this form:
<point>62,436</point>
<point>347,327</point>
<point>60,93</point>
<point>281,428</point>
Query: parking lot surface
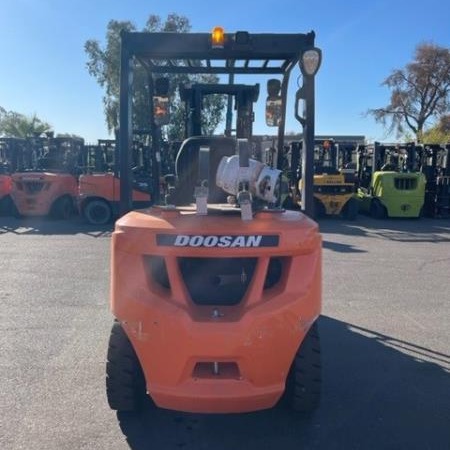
<point>385,334</point>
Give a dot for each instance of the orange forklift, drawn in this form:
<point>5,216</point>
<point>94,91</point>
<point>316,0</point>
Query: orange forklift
<point>15,155</point>
<point>99,188</point>
<point>6,151</point>
<point>5,188</point>
<point>216,289</point>
<point>50,187</point>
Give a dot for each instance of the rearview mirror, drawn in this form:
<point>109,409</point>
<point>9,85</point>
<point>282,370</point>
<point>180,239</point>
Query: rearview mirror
<point>273,111</point>
<point>161,110</point>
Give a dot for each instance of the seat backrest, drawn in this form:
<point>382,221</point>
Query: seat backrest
<point>187,166</point>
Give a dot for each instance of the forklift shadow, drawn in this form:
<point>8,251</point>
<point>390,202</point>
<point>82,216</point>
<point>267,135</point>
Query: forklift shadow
<point>402,230</point>
<point>378,392</point>
<point>339,247</point>
<point>46,226</point>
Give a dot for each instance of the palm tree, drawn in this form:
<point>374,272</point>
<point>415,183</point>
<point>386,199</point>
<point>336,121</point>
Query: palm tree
<point>13,124</point>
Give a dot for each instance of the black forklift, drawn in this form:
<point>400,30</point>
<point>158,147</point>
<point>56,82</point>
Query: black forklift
<point>435,165</point>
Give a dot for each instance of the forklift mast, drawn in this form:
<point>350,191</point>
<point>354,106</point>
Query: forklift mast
<point>435,165</point>
<point>434,160</point>
<point>15,154</point>
<point>346,155</point>
<point>99,158</point>
<point>325,157</point>
<point>56,154</point>
<point>395,157</point>
<point>244,95</point>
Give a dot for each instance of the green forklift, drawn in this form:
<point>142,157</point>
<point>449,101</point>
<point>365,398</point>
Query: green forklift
<point>390,183</point>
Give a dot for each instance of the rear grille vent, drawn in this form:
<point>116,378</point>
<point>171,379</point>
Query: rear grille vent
<point>33,187</point>
<point>274,272</point>
<point>157,270</point>
<point>214,281</point>
<point>217,281</point>
<point>405,184</point>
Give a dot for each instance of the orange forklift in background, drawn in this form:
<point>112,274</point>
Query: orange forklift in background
<point>99,191</point>
<point>14,155</point>
<point>216,289</point>
<point>5,188</point>
<point>5,175</point>
<point>50,186</point>
<point>99,188</point>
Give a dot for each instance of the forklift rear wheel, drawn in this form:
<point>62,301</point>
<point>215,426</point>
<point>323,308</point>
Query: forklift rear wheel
<point>15,212</point>
<point>97,212</point>
<point>62,208</point>
<point>350,211</point>
<point>377,210</point>
<point>319,209</point>
<point>6,206</point>
<point>125,382</point>
<point>303,384</point>
<point>288,203</point>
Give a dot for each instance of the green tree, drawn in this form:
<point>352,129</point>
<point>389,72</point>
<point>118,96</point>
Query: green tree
<point>439,133</point>
<point>419,92</point>
<point>14,124</point>
<point>104,65</point>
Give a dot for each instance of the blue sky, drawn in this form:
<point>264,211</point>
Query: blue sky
<point>43,63</point>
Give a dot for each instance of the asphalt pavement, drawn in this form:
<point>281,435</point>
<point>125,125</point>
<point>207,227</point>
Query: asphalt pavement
<point>385,334</point>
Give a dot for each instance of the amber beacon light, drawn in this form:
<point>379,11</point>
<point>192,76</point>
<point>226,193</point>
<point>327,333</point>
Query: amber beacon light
<point>217,37</point>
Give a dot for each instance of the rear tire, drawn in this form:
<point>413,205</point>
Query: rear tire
<point>303,384</point>
<point>377,210</point>
<point>319,209</point>
<point>62,208</point>
<point>6,206</point>
<point>125,382</point>
<point>288,203</point>
<point>351,209</point>
<point>97,212</point>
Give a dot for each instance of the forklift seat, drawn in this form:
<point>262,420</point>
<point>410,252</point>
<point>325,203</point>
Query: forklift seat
<point>187,166</point>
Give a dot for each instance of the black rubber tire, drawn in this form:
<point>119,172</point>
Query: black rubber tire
<point>319,209</point>
<point>125,382</point>
<point>303,384</point>
<point>62,208</point>
<point>377,210</point>
<point>15,212</point>
<point>6,206</point>
<point>350,211</point>
<point>97,212</point>
<point>288,203</point>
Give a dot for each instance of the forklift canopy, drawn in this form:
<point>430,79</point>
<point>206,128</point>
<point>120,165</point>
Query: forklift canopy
<point>211,53</point>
